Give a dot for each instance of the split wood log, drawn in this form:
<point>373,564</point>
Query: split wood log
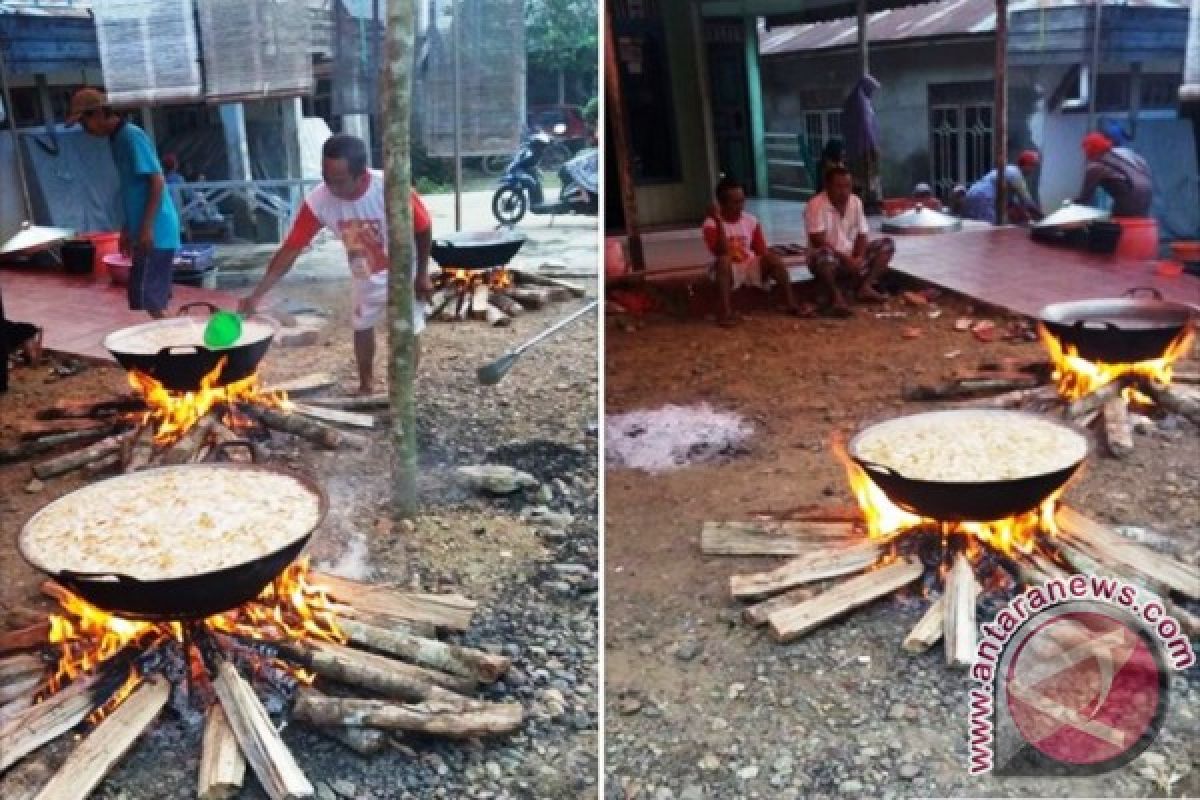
<point>557,294</point>
<point>506,304</point>
<point>388,622</point>
<point>815,565</point>
<point>87,765</point>
<point>1095,400</point>
<point>449,611</point>
<point>758,613</point>
<point>462,661</point>
<point>1171,400</point>
<point>335,415</point>
<point>303,385</point>
<point>184,450</point>
<point>63,464</point>
<point>364,741</point>
<point>1087,419</point>
<point>928,630</point>
<point>479,301</point>
<point>18,666</point>
<point>25,638</point>
<point>1014,399</point>
<point>1118,429</point>
<point>20,452</point>
<point>771,538</point>
<point>1048,567</point>
<point>32,431</point>
<point>100,409</point>
<point>370,402</point>
<point>27,731</point>
<point>1185,376</point>
<point>497,318</point>
<point>959,628</point>
<point>531,299</point>
<point>276,768</point>
<point>222,765</point>
<point>523,277</point>
<point>109,463</point>
<point>13,708</point>
<point>316,432</point>
<point>22,686</point>
<point>21,617</point>
<point>968,387</point>
<point>814,513</point>
<point>1108,546</point>
<point>138,451</point>
<point>372,672</point>
<point>457,720</point>
<point>27,778</point>
<point>858,591</point>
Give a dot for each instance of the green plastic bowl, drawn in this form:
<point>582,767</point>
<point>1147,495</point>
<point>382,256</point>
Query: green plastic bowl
<point>223,329</point>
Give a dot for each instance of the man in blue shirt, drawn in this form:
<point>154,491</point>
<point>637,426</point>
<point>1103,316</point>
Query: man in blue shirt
<point>980,202</point>
<point>151,229</point>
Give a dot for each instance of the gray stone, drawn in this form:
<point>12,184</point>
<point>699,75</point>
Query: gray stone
<point>851,787</point>
<point>345,788</point>
<point>496,478</point>
<point>688,649</point>
<point>692,792</point>
<point>909,771</point>
<point>664,794</point>
<point>748,773</point>
<point>325,793</point>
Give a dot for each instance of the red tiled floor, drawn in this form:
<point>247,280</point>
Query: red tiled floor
<point>77,312</point>
<point>1004,267</point>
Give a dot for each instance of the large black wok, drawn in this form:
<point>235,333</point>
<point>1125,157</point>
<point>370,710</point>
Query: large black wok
<point>1122,330</point>
<point>476,249</point>
<point>966,501</point>
<point>191,597</point>
<point>181,368</point>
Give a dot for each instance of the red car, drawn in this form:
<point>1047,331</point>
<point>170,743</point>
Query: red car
<point>547,118</point>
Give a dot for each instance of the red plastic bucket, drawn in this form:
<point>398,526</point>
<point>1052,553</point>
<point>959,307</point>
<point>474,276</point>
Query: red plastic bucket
<point>1139,238</point>
<point>107,243</point>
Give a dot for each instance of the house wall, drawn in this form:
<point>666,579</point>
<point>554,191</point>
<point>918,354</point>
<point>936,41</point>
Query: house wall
<point>902,102</point>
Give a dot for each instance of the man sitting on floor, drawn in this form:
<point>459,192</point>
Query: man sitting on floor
<point>736,239</point>
<point>838,244</point>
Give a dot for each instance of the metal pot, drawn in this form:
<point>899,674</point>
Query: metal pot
<point>477,249</point>
<point>967,501</point>
<point>181,369</point>
<point>191,597</point>
<point>1122,330</point>
<point>1071,215</point>
<point>921,220</point>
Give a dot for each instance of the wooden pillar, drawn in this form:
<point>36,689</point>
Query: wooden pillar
<point>359,125</point>
<point>457,101</point>
<point>148,124</point>
<point>615,110</point>
<point>864,64</point>
<point>1000,111</point>
<point>291,112</point>
<point>43,90</point>
<point>233,123</point>
<point>754,99</point>
<point>700,48</point>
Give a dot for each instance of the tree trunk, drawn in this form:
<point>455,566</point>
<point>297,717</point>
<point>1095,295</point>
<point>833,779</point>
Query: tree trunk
<point>403,340</point>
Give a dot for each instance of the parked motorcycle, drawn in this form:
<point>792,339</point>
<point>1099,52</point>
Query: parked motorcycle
<point>520,189</point>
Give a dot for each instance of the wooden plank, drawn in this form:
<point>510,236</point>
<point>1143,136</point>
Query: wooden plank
<point>771,538</point>
<point>25,732</point>
<point>222,766</point>
<point>801,618</point>
<point>1118,429</point>
<point>26,638</point>
<point>335,415</point>
<point>813,566</point>
<point>306,384</point>
<point>959,618</point>
<point>928,630</point>
<point>1109,546</point>
<point>369,402</point>
<point>72,461</point>
<point>443,610</point>
<point>459,721</point>
<point>87,765</point>
<point>479,301</point>
<point>31,431</point>
<point>525,276</point>
<point>758,613</point>
<point>453,659</point>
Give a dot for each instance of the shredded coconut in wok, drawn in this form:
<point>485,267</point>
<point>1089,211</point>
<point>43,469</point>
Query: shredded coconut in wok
<point>152,337</point>
<point>172,522</point>
<point>971,447</point>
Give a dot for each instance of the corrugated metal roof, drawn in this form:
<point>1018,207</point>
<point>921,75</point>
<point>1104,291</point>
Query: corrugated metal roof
<point>944,18</point>
<point>66,8</point>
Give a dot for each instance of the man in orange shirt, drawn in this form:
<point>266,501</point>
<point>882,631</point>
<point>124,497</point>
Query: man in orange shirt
<point>350,203</point>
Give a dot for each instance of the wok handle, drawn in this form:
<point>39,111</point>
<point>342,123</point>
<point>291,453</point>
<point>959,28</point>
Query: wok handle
<point>183,309</point>
<point>178,349</point>
<point>218,452</point>
<point>1134,292</point>
<point>871,465</point>
<point>1091,324</point>
<point>102,577</point>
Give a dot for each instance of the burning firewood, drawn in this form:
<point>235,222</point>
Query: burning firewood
<point>46,721</point>
<point>376,673</point>
<point>335,415</point>
<point>1095,400</point>
<point>506,304</point>
<point>770,538</point>
<point>531,299</point>
<point>1172,400</point>
<point>758,613</point>
<point>448,611</point>
<point>315,432</point>
<point>63,464</point>
<point>461,661</point>
<point>184,450</point>
<point>814,565</point>
<point>928,630</point>
<point>959,618</point>
<point>858,591</point>
<point>1118,429</point>
<point>222,765</point>
<point>459,720</point>
<point>107,744</point>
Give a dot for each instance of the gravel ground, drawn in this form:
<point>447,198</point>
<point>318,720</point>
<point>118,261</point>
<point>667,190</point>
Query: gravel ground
<point>534,575</point>
<point>699,705</point>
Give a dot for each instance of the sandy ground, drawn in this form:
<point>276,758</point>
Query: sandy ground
<point>699,705</point>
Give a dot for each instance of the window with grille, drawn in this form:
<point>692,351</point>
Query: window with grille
<point>960,134</point>
<point>821,126</point>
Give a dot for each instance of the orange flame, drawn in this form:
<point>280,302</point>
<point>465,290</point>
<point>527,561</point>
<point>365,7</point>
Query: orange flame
<point>500,279</point>
<point>289,608</point>
<point>885,520</point>
<point>1077,377</point>
<point>175,413</point>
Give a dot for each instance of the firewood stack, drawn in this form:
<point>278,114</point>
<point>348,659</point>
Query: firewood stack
<point>824,543</point>
<point>1029,387</point>
<point>393,675</point>
<point>481,296</point>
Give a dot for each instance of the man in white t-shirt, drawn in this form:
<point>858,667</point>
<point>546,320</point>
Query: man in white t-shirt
<point>736,240</point>
<point>838,243</point>
<point>350,203</point>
